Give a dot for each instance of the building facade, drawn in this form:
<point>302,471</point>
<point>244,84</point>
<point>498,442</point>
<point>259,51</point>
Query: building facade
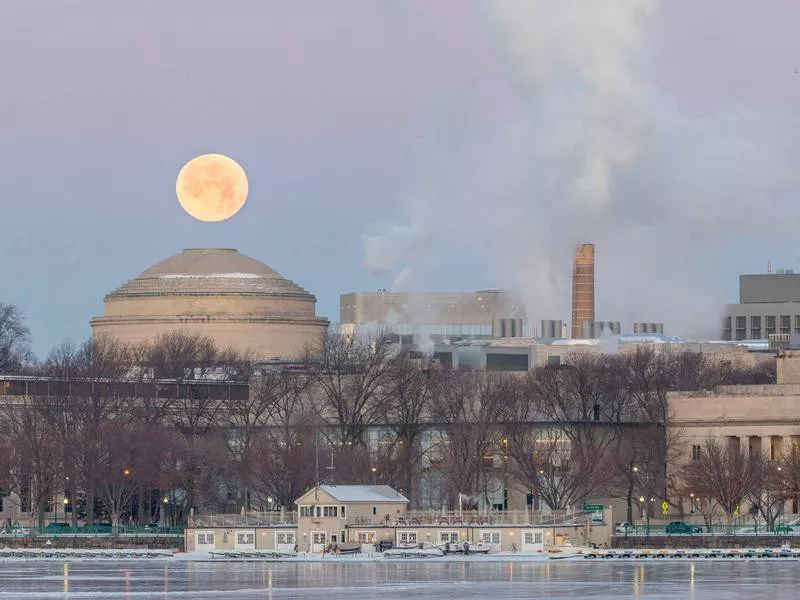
<point>769,304</point>
<point>369,516</point>
<point>484,314</point>
<point>236,300</point>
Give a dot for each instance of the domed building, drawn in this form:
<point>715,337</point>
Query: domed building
<point>232,298</point>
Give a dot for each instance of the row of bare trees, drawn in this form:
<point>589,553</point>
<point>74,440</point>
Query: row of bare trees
<point>134,431</point>
<point>724,479</point>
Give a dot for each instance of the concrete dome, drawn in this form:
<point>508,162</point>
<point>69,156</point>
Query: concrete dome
<point>236,300</point>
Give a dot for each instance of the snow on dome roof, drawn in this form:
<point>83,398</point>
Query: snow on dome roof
<point>209,271</point>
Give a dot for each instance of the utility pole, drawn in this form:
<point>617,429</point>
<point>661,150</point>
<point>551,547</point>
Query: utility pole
<point>331,468</point>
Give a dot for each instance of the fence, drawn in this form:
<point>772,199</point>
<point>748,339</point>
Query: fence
<point>697,530</point>
<point>470,518</point>
<point>56,530</point>
<point>262,519</point>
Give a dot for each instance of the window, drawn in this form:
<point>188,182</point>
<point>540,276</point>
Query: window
<point>786,324</point>
<point>797,323</point>
<point>490,537</point>
<point>284,537</point>
<point>330,511</point>
<point>342,512</point>
<point>755,328</point>
<point>741,327</point>
<point>365,537</point>
<point>554,361</point>
<point>533,537</point>
<point>407,537</point>
<point>448,536</point>
<point>695,452</point>
<point>306,511</point>
<point>769,326</point>
<point>726,328</point>
<point>319,537</point>
<point>205,539</point>
<point>245,538</point>
<point>25,499</point>
<point>374,510</point>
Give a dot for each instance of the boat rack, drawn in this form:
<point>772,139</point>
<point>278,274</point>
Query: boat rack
<point>79,553</point>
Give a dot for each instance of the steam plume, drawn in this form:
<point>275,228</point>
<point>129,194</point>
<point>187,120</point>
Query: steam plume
<point>593,153</point>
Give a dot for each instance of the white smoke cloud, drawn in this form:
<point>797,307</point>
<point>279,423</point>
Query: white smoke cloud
<point>596,154</point>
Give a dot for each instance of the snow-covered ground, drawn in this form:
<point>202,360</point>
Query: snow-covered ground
<point>356,579</point>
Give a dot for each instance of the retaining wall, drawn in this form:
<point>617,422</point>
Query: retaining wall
<point>162,542</point>
<point>701,541</point>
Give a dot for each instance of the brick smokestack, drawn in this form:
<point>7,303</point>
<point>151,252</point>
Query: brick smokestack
<point>582,289</point>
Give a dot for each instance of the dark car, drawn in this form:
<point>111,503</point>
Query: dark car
<point>681,527</point>
<point>55,527</point>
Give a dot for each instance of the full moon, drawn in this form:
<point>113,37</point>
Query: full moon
<point>212,187</point>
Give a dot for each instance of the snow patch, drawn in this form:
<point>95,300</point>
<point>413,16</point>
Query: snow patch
<point>212,276</point>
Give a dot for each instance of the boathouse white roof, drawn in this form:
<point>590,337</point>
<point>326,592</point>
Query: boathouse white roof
<point>363,493</point>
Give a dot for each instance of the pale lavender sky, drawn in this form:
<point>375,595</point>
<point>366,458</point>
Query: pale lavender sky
<point>337,111</point>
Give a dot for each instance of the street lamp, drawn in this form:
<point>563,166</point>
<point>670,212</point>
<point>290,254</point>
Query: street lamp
<point>66,502</point>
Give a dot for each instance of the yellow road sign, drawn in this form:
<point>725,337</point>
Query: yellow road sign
<point>664,507</point>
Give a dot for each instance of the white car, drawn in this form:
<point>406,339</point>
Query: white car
<point>624,528</point>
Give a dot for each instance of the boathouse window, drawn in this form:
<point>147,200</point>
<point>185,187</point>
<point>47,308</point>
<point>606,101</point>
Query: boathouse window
<point>342,514</point>
<point>365,537</point>
<point>490,537</point>
<point>448,536</point>
<point>284,537</point>
<point>407,537</point>
<point>330,511</point>
<point>306,511</point>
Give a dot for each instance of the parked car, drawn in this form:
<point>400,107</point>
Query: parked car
<point>55,526</point>
<point>624,528</point>
<point>681,527</point>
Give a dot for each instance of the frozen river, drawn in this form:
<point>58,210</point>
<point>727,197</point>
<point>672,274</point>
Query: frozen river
<point>708,580</point>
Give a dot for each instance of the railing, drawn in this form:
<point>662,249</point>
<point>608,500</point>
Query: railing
<point>95,531</point>
<point>472,518</point>
<point>699,530</point>
<point>263,519</point>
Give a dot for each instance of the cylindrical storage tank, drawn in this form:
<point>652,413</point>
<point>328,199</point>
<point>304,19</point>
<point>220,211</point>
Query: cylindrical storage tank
<point>552,328</point>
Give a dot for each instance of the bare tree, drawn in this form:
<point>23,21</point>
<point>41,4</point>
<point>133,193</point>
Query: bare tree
<point>546,462</point>
<point>400,453</point>
<point>724,473</point>
<point>353,373</point>
<point>32,459</point>
<point>467,409</point>
<point>85,398</point>
<point>768,490</point>
<point>15,339</point>
<point>115,470</point>
<point>280,462</point>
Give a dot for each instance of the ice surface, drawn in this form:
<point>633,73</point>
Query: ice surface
<point>335,579</point>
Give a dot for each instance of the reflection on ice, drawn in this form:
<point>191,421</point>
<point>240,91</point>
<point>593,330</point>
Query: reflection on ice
<point>699,580</point>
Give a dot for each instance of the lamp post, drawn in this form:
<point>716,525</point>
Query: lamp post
<point>645,515</point>
<point>165,505</point>
<point>66,503</point>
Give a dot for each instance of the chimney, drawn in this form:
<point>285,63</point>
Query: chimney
<point>582,289</point>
